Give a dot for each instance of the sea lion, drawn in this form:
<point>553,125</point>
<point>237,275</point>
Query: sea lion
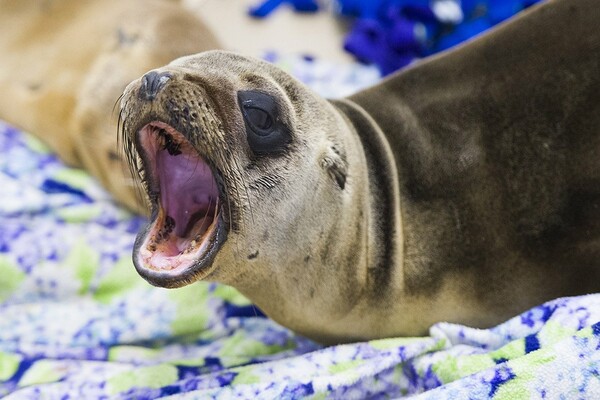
<point>465,188</point>
<point>63,64</point>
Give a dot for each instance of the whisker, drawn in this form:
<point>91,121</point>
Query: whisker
<point>241,176</point>
<point>230,212</point>
<point>208,209</point>
<point>229,207</point>
<point>127,151</point>
<point>117,102</point>
<point>227,198</point>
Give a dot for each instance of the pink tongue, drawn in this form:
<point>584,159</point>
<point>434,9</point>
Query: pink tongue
<point>187,187</point>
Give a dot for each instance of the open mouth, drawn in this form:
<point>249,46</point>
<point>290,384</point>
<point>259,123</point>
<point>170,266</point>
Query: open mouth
<point>186,230</point>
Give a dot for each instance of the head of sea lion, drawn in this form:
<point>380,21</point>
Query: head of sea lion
<point>247,172</point>
<point>64,63</point>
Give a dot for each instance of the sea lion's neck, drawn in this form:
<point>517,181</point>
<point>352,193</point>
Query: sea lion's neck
<point>384,227</point>
<point>354,256</point>
<point>397,268</point>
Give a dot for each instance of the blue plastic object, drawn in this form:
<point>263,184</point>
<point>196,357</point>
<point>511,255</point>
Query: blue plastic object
<point>393,33</point>
<point>499,10</point>
<point>266,7</point>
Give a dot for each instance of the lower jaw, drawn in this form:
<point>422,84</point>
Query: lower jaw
<point>193,266</point>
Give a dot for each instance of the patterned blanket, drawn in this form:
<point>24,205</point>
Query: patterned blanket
<point>76,321</point>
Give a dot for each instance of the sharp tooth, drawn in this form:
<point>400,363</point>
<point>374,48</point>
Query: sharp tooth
<point>190,247</point>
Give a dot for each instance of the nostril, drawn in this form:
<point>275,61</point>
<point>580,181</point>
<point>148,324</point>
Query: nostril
<point>152,83</point>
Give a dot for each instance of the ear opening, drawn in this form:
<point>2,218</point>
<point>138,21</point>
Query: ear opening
<point>336,167</point>
<point>339,176</point>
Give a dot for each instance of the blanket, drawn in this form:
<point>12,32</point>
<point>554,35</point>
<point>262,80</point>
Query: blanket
<point>77,322</point>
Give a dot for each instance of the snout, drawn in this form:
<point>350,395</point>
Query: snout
<point>152,83</point>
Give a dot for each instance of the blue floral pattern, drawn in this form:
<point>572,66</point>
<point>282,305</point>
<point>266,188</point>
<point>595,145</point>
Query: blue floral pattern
<point>77,322</point>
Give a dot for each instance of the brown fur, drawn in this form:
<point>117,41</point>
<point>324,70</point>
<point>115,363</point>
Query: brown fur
<point>464,189</point>
<point>498,144</point>
<point>470,183</point>
<point>64,63</point>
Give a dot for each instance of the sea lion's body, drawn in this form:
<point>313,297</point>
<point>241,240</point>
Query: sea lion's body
<point>464,189</point>
<point>64,63</point>
<point>497,148</point>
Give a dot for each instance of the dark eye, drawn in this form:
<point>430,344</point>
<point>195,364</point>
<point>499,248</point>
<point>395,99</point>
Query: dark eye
<point>258,118</point>
<point>265,131</point>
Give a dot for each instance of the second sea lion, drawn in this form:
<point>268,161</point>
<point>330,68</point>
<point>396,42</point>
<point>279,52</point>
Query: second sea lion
<point>64,63</point>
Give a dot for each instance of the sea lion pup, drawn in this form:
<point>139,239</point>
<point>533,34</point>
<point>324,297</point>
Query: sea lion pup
<point>64,63</point>
<point>463,189</point>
